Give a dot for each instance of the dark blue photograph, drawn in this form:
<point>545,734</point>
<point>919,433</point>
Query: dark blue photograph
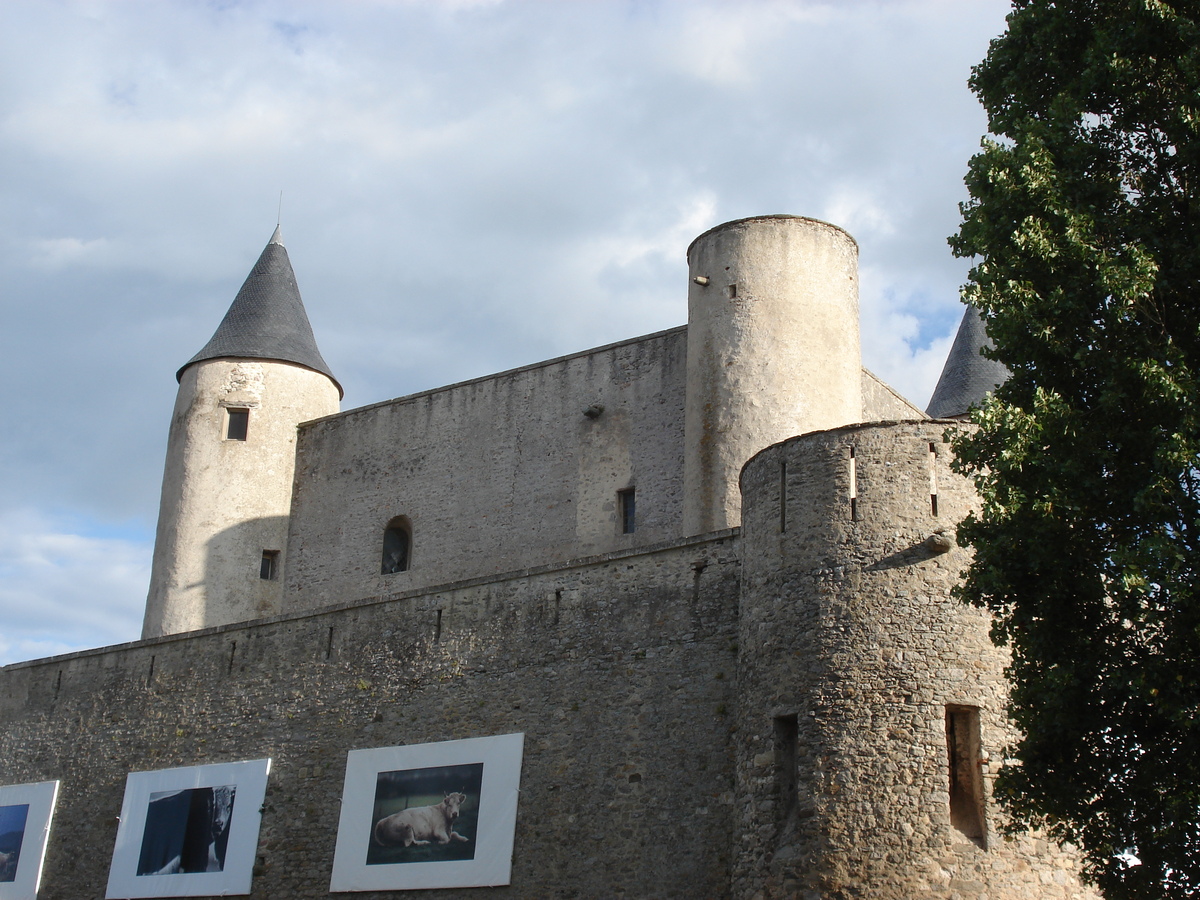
<point>187,831</point>
<point>12,833</point>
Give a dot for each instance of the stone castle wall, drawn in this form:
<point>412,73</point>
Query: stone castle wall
<point>756,714</point>
<point>500,473</point>
<point>852,654</point>
<point>619,670</point>
<point>494,475</point>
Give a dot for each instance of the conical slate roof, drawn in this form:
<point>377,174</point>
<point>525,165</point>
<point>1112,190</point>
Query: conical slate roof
<point>267,318</point>
<point>967,376</point>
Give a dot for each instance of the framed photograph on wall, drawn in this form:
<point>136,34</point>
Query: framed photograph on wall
<point>189,832</point>
<point>429,815</point>
<point>25,814</point>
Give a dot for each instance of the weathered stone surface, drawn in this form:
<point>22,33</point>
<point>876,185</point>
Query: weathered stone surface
<point>495,474</point>
<point>847,624</point>
<point>764,712</point>
<point>226,501</point>
<point>619,671</point>
<point>773,350</point>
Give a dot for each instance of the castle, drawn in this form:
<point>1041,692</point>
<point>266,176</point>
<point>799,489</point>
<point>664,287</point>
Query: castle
<point>705,572</point>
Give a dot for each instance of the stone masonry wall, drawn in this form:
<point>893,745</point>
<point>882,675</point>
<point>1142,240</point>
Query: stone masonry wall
<point>618,669</point>
<point>500,473</point>
<point>494,475</point>
<point>851,649</point>
<point>881,403</point>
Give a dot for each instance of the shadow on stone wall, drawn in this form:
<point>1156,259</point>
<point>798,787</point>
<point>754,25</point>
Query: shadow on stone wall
<point>243,571</point>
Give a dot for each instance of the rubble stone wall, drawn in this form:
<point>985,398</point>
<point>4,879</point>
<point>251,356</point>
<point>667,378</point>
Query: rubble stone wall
<point>852,650</point>
<point>619,671</point>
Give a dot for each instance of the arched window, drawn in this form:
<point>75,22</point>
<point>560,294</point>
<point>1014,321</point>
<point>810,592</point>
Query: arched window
<point>397,546</point>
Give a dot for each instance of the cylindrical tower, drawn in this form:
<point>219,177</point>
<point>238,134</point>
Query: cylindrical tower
<point>871,702</point>
<point>773,350</point>
<point>227,485</point>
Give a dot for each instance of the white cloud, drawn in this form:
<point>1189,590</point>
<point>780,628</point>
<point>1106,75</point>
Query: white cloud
<point>859,212</point>
<point>56,252</point>
<point>61,590</point>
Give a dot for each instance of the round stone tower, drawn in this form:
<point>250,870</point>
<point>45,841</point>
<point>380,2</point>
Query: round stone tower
<point>773,350</point>
<point>871,703</point>
<point>227,486</point>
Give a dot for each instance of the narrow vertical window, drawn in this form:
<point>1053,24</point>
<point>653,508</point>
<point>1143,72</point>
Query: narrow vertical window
<point>237,424</point>
<point>786,738</point>
<point>731,292</point>
<point>853,488</point>
<point>268,570</point>
<point>627,509</point>
<point>966,775</point>
<point>783,496</point>
<point>397,546</point>
<point>933,479</point>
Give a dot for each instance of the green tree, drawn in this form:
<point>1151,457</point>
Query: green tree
<point>1084,228</point>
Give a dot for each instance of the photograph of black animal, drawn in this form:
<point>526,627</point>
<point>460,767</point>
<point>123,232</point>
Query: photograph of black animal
<point>187,831</point>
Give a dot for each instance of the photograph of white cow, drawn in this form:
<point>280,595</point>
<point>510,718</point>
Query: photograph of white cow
<point>451,803</point>
<point>422,824</point>
<point>425,815</point>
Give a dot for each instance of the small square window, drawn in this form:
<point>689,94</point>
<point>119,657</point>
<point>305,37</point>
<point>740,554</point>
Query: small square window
<point>627,506</point>
<point>237,423</point>
<point>269,569</point>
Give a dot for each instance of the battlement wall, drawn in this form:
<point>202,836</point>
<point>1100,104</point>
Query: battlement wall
<point>795,709</point>
<point>500,473</point>
<point>515,470</point>
<point>619,670</point>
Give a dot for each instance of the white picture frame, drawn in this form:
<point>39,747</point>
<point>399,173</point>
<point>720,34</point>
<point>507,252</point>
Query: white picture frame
<point>383,845</point>
<point>186,807</point>
<point>26,811</point>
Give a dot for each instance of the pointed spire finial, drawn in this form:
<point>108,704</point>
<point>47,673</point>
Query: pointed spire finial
<point>267,319</point>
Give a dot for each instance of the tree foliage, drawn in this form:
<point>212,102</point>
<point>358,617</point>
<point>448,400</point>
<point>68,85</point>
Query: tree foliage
<point>1084,227</point>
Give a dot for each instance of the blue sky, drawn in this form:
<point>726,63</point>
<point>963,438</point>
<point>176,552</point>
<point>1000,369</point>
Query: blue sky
<point>467,187</point>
